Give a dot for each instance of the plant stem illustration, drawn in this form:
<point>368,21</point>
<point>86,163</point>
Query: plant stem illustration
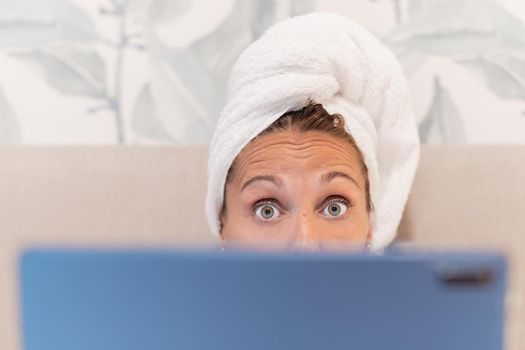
<point>117,105</point>
<point>123,42</point>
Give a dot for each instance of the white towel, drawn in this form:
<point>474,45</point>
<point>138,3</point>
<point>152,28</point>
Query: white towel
<point>333,61</point>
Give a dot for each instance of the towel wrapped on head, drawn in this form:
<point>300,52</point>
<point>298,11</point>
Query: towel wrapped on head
<point>331,60</point>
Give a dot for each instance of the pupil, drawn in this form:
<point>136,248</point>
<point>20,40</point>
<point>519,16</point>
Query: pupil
<point>334,209</point>
<point>267,212</point>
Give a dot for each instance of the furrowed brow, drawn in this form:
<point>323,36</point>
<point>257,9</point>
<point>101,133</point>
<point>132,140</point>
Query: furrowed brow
<point>325,178</point>
<point>268,178</point>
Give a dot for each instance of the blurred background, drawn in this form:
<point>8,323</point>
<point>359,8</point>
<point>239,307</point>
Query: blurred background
<point>155,71</point>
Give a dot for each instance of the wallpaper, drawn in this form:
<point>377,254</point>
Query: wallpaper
<point>155,71</point>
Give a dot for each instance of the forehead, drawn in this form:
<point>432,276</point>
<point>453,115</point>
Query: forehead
<point>296,152</point>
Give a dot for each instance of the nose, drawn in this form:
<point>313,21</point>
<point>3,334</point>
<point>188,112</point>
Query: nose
<point>306,235</point>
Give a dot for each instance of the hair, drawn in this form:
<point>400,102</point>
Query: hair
<point>312,117</point>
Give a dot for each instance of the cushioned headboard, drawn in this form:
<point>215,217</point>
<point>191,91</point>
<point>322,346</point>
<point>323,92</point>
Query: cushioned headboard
<point>466,196</point>
<point>154,196</point>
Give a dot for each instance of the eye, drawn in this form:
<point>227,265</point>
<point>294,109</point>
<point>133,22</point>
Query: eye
<point>266,211</point>
<point>336,207</point>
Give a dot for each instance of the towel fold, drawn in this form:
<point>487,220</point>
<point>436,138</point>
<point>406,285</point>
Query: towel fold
<point>331,60</point>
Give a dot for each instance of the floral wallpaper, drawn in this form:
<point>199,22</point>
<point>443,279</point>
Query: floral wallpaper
<point>155,71</point>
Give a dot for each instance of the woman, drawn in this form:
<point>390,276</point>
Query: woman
<point>317,146</point>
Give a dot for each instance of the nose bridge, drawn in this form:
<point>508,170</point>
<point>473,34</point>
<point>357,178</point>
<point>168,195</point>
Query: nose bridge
<point>306,233</point>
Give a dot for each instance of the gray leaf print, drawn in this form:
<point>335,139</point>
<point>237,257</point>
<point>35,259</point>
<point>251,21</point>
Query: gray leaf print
<point>69,70</point>
<point>28,23</point>
<point>9,127</point>
<point>503,73</point>
<point>144,119</point>
<point>442,123</point>
<point>466,27</point>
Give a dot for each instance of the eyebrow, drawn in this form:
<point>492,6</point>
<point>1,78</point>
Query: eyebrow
<point>269,178</point>
<point>325,178</point>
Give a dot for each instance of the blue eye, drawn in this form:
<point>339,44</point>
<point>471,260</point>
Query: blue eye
<point>266,211</point>
<point>336,207</point>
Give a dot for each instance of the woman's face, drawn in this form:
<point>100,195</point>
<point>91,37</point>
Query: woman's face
<point>298,190</point>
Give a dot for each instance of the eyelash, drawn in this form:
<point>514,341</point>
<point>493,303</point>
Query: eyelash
<point>262,202</point>
<point>338,199</point>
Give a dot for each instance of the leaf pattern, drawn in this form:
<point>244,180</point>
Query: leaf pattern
<point>193,81</point>
<point>442,123</point>
<point>416,7</point>
<point>144,118</point>
<point>9,127</point>
<point>28,23</point>
<point>482,35</point>
<point>184,91</point>
<point>69,70</point>
<point>504,74</point>
<point>455,28</point>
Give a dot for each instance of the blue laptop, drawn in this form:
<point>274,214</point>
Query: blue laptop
<point>160,300</point>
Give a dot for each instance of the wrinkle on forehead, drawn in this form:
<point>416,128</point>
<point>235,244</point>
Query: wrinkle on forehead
<point>294,151</point>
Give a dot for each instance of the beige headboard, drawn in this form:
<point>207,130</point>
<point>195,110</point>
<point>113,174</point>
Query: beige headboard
<point>463,196</point>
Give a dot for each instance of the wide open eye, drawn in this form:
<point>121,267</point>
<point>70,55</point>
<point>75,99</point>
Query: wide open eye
<point>267,211</point>
<point>336,207</point>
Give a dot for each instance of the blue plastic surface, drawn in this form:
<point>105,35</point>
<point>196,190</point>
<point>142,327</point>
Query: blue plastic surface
<point>142,300</point>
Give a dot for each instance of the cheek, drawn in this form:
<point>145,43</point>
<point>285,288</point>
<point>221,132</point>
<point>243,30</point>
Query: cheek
<point>246,229</point>
<point>352,229</point>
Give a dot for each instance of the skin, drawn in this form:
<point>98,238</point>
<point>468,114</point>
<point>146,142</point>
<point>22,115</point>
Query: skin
<point>281,194</point>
